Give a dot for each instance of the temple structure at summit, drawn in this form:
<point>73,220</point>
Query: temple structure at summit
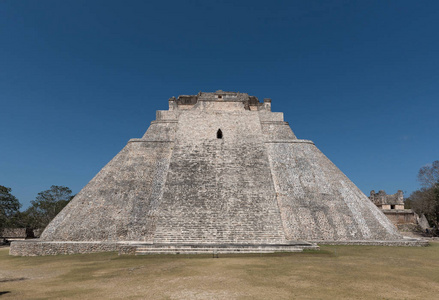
<point>215,172</point>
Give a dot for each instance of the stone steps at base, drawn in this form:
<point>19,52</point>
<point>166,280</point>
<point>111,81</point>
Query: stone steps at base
<point>210,251</point>
<point>216,249</point>
<point>200,249</point>
<point>172,240</point>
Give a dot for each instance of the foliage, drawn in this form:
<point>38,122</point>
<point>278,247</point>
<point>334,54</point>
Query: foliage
<point>428,175</point>
<point>47,205</point>
<point>408,203</point>
<point>9,207</point>
<point>426,200</point>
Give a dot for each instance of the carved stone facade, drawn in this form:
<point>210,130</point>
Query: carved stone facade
<point>218,170</point>
<point>384,201</point>
<point>15,234</point>
<point>393,207</point>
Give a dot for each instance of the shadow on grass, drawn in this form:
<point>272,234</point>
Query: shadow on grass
<point>12,279</point>
<point>5,292</point>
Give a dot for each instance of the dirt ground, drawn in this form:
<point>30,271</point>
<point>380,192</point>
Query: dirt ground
<point>335,272</point>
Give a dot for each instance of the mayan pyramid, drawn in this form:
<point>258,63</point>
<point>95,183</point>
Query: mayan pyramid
<point>217,169</point>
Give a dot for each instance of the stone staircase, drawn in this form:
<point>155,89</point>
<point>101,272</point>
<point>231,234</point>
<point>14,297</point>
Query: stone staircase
<point>213,249</point>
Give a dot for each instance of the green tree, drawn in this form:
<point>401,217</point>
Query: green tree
<point>9,207</point>
<point>47,205</point>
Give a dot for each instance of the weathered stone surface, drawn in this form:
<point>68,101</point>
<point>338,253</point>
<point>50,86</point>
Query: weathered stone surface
<point>317,201</point>
<point>15,233</point>
<point>393,208</point>
<point>219,190</point>
<point>36,247</point>
<point>384,201</point>
<point>218,168</point>
<point>120,202</point>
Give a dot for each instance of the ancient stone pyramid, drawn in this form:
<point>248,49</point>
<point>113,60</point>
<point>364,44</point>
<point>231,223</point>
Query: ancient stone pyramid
<point>219,169</point>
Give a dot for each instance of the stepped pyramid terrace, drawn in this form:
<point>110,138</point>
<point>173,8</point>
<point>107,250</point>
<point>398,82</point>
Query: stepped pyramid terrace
<point>216,172</point>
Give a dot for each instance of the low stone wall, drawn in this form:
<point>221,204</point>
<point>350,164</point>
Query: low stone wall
<point>127,249</point>
<point>400,216</point>
<point>396,243</point>
<point>20,233</point>
<point>36,247</point>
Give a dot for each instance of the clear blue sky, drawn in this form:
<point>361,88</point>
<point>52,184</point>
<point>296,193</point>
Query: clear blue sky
<point>80,78</point>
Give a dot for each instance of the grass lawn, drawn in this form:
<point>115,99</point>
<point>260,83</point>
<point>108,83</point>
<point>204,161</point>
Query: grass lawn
<point>335,272</point>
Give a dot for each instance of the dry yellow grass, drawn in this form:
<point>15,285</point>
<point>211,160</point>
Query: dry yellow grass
<point>336,272</point>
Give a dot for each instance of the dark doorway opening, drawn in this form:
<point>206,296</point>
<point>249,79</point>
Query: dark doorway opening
<point>219,134</point>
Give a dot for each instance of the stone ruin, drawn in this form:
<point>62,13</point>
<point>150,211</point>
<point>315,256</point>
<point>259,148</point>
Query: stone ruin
<point>387,202</point>
<point>215,172</point>
<point>13,234</point>
<point>393,207</point>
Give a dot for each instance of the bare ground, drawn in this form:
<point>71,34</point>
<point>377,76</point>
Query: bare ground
<point>336,272</point>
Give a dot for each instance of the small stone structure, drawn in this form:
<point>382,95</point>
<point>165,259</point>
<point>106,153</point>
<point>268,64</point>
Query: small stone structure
<point>16,234</point>
<point>216,172</point>
<point>393,207</point>
<point>386,202</point>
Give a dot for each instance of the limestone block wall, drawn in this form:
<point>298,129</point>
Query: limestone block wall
<point>391,206</point>
<point>14,233</point>
<point>219,190</point>
<point>381,199</point>
<point>397,217</point>
<point>274,127</point>
<point>180,183</point>
<point>275,130</point>
<point>36,247</point>
<point>119,203</point>
<point>161,131</point>
<point>317,201</point>
<point>268,116</point>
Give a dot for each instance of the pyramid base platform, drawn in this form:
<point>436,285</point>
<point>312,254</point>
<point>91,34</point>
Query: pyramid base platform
<point>404,242</point>
<point>39,248</point>
<point>144,249</point>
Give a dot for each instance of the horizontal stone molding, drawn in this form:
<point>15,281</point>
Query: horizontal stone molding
<point>148,141</point>
<point>275,122</point>
<point>290,141</point>
<point>398,211</point>
<point>38,247</point>
<point>395,243</point>
<point>164,121</point>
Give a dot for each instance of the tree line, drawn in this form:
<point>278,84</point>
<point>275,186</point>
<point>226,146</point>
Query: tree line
<point>43,209</point>
<point>425,201</point>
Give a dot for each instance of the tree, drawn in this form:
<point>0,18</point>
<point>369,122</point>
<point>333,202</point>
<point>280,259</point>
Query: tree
<point>9,207</point>
<point>428,175</point>
<point>426,200</point>
<point>47,205</point>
